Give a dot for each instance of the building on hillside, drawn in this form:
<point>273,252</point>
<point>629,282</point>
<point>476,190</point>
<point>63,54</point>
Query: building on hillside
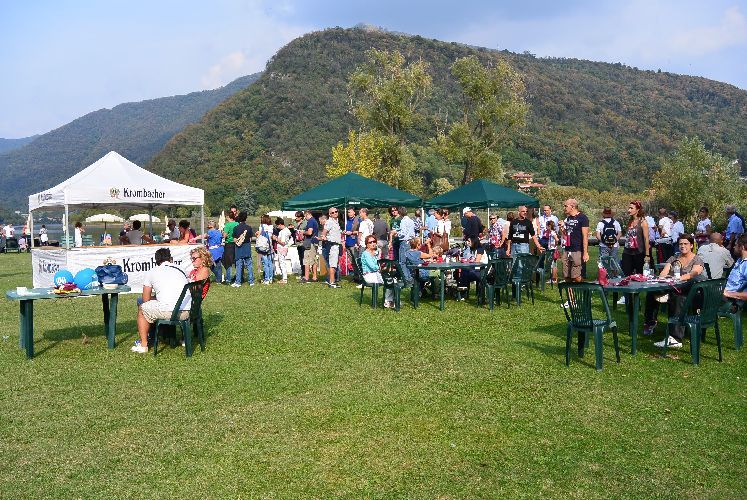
<point>525,182</point>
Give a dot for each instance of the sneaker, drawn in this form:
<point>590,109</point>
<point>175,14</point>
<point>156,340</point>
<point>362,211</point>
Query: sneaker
<point>140,349</point>
<point>621,302</point>
<point>565,305</point>
<point>389,305</point>
<point>235,285</point>
<point>649,329</point>
<point>359,285</point>
<point>662,299</point>
<point>334,285</point>
<point>265,282</point>
<point>251,284</point>
<point>673,342</point>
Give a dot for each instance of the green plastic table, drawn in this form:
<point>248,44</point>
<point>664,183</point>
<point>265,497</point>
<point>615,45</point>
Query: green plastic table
<point>632,290</point>
<point>109,299</point>
<point>442,267</point>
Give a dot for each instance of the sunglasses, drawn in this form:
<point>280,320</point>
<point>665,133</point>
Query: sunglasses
<point>333,212</point>
<point>369,242</point>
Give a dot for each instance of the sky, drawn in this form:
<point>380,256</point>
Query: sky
<point>61,60</point>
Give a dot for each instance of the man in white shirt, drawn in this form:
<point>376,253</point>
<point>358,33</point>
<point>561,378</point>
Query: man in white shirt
<point>608,235</point>
<point>8,231</point>
<point>677,227</point>
<point>365,228</point>
<point>166,281</point>
<point>665,235</point>
<point>716,256</point>
<point>332,239</point>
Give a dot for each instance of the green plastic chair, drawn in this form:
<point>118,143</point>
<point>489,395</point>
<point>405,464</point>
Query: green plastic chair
<point>11,245</point>
<point>87,240</point>
<point>736,318</point>
<point>546,270</point>
<point>394,280</point>
<point>194,288</point>
<point>709,293</point>
<point>373,286</point>
<point>522,275</point>
<point>580,316</point>
<point>501,283</point>
<point>484,290</point>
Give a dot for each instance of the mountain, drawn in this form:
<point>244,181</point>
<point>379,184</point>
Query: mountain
<point>136,130</point>
<point>595,125</point>
<point>11,144</point>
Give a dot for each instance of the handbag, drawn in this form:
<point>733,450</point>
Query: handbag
<point>111,274</point>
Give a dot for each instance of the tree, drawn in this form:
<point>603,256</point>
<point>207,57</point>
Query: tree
<point>493,109</point>
<point>693,177</point>
<point>246,200</point>
<point>386,96</point>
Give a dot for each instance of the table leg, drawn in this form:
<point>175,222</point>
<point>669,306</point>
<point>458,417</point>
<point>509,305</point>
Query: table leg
<point>21,325</point>
<point>112,323</point>
<point>634,323</point>
<point>27,321</point>
<point>416,286</point>
<point>442,288</point>
<point>105,307</point>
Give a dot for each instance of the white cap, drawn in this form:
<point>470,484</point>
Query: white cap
<point>465,210</point>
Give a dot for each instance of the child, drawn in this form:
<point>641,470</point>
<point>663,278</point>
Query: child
<point>438,254</point>
<point>552,248</point>
<point>283,240</point>
<point>43,236</point>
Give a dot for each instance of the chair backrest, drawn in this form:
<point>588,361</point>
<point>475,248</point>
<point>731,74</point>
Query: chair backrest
<point>524,268</point>
<point>580,299</point>
<point>502,271</point>
<point>194,288</point>
<point>357,267</point>
<point>707,267</point>
<point>389,271</point>
<point>711,293</point>
<point>11,243</point>
<point>87,240</point>
<point>612,266</point>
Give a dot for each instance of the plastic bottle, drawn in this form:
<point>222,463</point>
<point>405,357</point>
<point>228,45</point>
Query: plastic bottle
<point>646,269</point>
<point>676,268</point>
<point>602,274</point>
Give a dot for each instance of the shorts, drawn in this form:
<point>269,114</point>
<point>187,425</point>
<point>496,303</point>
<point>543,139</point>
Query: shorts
<point>309,255</point>
<point>334,255</point>
<point>572,263</point>
<point>152,312</point>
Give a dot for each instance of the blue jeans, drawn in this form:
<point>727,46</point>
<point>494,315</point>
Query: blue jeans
<point>516,250</point>
<point>228,274</point>
<point>240,265</point>
<point>217,269</point>
<point>268,269</point>
<point>605,251</point>
<point>404,246</point>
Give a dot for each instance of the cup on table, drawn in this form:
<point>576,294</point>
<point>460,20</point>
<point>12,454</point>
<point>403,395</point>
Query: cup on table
<point>21,290</point>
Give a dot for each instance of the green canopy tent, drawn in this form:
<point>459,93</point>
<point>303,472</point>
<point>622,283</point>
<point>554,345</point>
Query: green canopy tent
<point>351,189</point>
<point>482,194</point>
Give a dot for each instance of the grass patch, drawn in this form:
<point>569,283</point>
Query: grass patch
<point>301,392</point>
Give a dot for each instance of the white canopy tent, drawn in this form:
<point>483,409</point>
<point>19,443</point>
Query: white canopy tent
<point>115,181</point>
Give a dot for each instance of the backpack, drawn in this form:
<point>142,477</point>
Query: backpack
<point>263,243</point>
<point>609,233</point>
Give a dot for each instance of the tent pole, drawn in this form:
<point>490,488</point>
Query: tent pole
<point>150,220</point>
<point>31,227</point>
<point>202,221</point>
<point>67,228</point>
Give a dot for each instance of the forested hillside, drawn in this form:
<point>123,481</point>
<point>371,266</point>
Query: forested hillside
<point>136,130</point>
<point>594,125</point>
<point>11,144</point>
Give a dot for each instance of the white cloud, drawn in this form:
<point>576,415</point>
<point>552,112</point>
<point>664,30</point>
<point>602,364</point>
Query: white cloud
<point>732,31</point>
<point>229,68</point>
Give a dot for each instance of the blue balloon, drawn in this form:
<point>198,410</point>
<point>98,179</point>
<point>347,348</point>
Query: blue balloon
<point>86,278</point>
<point>62,276</point>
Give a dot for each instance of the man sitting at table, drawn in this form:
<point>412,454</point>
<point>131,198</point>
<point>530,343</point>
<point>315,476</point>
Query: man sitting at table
<point>690,268</point>
<point>736,284</point>
<point>166,282</point>
<point>716,256</point>
<point>136,237</point>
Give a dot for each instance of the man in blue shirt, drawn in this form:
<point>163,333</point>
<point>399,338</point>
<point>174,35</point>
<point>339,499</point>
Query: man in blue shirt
<point>404,234</point>
<point>431,223</point>
<point>734,228</point>
<point>736,284</point>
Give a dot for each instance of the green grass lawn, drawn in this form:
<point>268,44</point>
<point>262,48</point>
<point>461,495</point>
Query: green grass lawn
<point>301,392</point>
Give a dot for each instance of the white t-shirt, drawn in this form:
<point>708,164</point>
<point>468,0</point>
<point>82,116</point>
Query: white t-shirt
<point>600,228</point>
<point>665,227</point>
<point>334,233</point>
<point>365,228</point>
<point>283,240</point>
<point>78,238</point>
<point>8,231</point>
<point>43,236</point>
<point>702,225</point>
<point>677,229</point>
<point>167,282</point>
<point>447,227</point>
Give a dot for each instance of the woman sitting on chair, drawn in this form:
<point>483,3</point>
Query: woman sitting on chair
<point>201,262</point>
<point>691,266</point>
<point>370,268</point>
<point>475,252</point>
<point>415,256</point>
